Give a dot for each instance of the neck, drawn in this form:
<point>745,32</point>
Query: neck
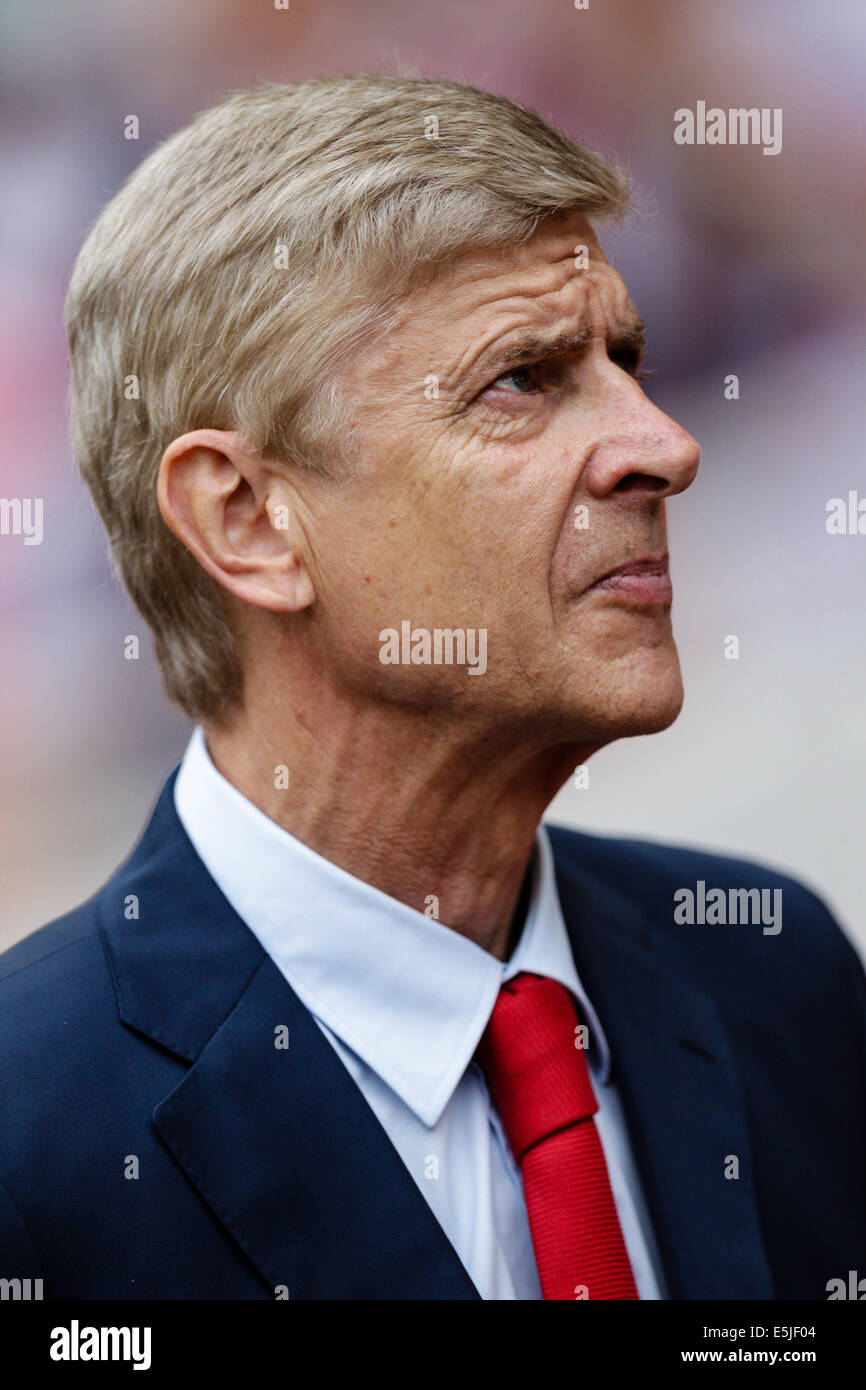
<point>416,805</point>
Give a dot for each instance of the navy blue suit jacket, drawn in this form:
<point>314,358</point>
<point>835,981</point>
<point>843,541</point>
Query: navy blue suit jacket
<point>261,1168</point>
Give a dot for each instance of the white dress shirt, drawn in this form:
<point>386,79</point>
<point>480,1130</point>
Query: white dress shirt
<point>404,1001</point>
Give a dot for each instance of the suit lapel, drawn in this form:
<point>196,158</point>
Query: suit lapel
<point>278,1141</point>
<point>285,1149</point>
<point>677,1078</point>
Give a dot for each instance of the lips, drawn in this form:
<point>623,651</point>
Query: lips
<point>643,581</point>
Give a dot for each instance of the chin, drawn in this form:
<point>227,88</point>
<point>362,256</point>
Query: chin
<point>653,721</point>
<point>650,705</point>
<point>644,698</point>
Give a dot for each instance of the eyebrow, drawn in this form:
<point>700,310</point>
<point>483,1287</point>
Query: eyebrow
<point>530,346</point>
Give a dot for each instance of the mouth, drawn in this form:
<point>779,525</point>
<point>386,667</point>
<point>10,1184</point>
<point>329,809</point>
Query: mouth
<point>640,581</point>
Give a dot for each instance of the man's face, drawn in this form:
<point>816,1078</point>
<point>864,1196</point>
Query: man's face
<point>500,495</point>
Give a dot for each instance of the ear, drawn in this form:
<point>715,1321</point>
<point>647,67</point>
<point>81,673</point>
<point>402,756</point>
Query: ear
<point>239,516</point>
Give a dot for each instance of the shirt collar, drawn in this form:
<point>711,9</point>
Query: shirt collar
<point>407,994</point>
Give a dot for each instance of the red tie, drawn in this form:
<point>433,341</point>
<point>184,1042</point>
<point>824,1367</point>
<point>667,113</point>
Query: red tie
<point>540,1084</point>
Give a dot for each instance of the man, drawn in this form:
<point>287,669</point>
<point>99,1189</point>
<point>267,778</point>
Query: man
<point>355,390</point>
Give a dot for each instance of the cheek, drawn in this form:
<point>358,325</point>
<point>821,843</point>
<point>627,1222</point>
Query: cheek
<point>579,555</point>
<point>523,493</point>
<point>567,531</point>
<point>454,528</point>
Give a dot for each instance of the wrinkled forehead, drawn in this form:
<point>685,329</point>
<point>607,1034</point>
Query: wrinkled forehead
<point>559,280</point>
<point>561,272</point>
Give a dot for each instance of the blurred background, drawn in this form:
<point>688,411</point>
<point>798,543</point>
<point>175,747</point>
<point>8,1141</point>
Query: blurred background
<point>741,264</point>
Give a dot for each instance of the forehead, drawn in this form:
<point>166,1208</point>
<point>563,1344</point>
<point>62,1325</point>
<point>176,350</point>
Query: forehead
<point>558,280</point>
<point>562,254</point>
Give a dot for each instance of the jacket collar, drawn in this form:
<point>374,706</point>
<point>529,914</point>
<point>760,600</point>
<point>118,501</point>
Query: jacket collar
<point>279,1141</point>
<point>180,956</point>
<point>678,1080</point>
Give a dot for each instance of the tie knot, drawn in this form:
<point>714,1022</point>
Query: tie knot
<point>533,1061</point>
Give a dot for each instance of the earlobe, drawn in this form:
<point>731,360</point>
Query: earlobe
<point>228,508</point>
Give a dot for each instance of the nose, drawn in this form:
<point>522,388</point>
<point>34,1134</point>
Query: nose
<point>642,450</point>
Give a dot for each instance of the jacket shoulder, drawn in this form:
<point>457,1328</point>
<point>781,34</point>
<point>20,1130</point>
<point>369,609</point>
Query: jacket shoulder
<point>37,950</point>
<point>55,985</point>
<point>655,862</point>
<point>653,873</point>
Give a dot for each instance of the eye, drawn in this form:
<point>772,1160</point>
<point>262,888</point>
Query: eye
<point>628,360</point>
<point>522,380</point>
